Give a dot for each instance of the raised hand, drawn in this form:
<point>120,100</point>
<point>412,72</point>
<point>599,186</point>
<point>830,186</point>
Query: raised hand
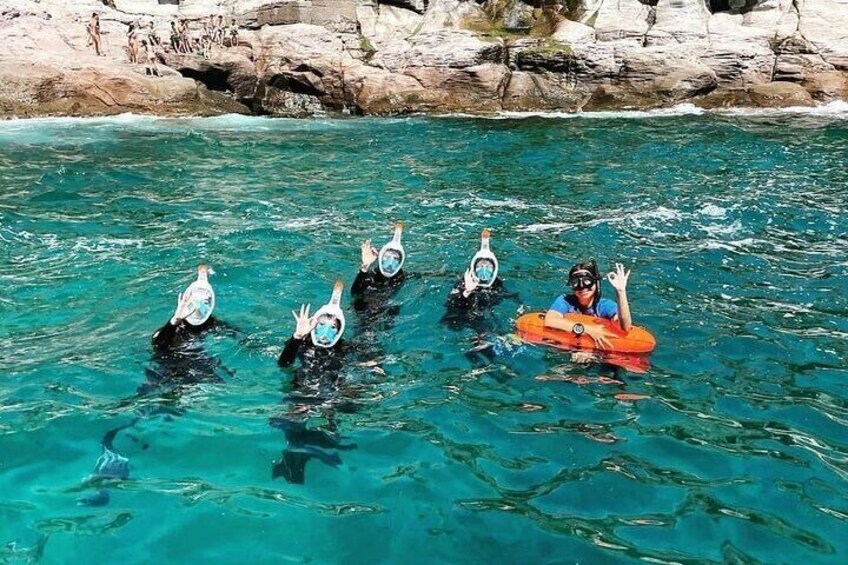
<point>304,323</point>
<point>469,283</point>
<point>369,254</point>
<point>618,278</point>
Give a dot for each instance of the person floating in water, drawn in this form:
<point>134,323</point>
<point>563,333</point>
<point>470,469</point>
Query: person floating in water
<point>372,288</point>
<point>179,362</point>
<point>317,383</point>
<point>585,298</point>
<point>193,314</point>
<point>389,272</point>
<point>472,299</point>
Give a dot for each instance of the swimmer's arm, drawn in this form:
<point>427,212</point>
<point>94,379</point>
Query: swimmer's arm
<point>624,317</point>
<point>556,320</point>
<point>618,279</point>
<point>360,282</point>
<point>289,353</point>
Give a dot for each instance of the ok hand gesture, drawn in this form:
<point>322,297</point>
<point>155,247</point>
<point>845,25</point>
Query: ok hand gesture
<point>618,278</point>
<point>469,283</point>
<point>369,254</point>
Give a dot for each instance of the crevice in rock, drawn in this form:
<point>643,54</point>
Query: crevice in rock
<point>213,78</point>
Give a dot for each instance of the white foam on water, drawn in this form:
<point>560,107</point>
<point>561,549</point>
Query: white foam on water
<point>837,109</point>
<point>714,211</point>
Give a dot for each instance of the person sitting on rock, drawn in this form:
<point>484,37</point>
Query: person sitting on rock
<point>234,34</point>
<point>93,29</point>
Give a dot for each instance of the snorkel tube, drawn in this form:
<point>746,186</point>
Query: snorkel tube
<point>202,297</point>
<point>392,256</point>
<point>486,277</point>
<point>331,320</point>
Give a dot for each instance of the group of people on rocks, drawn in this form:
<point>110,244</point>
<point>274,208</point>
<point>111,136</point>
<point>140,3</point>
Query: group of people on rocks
<point>215,31</point>
<point>317,354</point>
<point>144,41</point>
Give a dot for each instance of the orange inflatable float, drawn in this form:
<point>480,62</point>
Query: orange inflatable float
<point>627,349</point>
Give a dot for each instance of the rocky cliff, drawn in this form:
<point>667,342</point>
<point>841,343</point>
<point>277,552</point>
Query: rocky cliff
<point>300,57</point>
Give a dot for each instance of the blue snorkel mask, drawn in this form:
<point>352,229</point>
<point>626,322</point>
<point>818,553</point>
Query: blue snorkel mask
<point>484,264</point>
<point>392,255</point>
<point>484,271</point>
<point>331,320</point>
<point>390,262</point>
<point>325,333</point>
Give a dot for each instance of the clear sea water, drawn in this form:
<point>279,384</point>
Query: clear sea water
<point>733,448</point>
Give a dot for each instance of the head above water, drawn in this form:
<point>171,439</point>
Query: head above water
<point>202,296</point>
<point>329,320</point>
<point>391,257</point>
<point>484,264</point>
<point>584,280</point>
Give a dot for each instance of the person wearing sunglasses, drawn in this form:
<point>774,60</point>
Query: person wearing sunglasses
<point>585,298</point>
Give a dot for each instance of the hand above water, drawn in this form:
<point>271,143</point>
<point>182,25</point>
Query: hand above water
<point>618,278</point>
<point>469,284</point>
<point>369,254</point>
<point>304,323</point>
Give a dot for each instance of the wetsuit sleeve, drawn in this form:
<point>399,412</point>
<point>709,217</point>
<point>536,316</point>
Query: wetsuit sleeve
<point>607,309</point>
<point>457,300</point>
<point>289,353</point>
<point>561,305</point>
<point>164,336</point>
<point>360,282</point>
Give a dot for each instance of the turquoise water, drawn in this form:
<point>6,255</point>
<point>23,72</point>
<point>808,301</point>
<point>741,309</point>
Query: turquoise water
<point>734,226</point>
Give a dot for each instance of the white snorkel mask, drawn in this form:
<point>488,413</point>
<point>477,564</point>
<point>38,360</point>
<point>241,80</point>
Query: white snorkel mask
<point>202,297</point>
<point>484,265</point>
<point>391,257</point>
<point>331,320</point>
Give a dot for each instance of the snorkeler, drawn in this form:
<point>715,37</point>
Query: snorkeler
<point>585,298</point>
<point>324,329</point>
<point>317,341</point>
<point>193,314</point>
<point>389,272</point>
<point>471,300</point>
<point>480,280</point>
<point>179,363</point>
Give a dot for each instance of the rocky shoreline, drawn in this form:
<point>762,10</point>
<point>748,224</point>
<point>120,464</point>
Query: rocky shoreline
<point>387,57</point>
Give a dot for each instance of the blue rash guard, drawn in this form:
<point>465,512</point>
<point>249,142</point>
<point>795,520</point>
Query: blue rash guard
<point>567,304</point>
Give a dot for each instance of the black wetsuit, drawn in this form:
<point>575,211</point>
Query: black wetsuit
<point>180,358</point>
<point>371,286</point>
<point>471,311</point>
<point>178,361</point>
<point>317,390</point>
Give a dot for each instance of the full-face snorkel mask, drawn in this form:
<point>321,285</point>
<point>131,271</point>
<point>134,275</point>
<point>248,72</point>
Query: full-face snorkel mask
<point>484,265</point>
<point>202,297</point>
<point>331,320</point>
<point>391,257</point>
